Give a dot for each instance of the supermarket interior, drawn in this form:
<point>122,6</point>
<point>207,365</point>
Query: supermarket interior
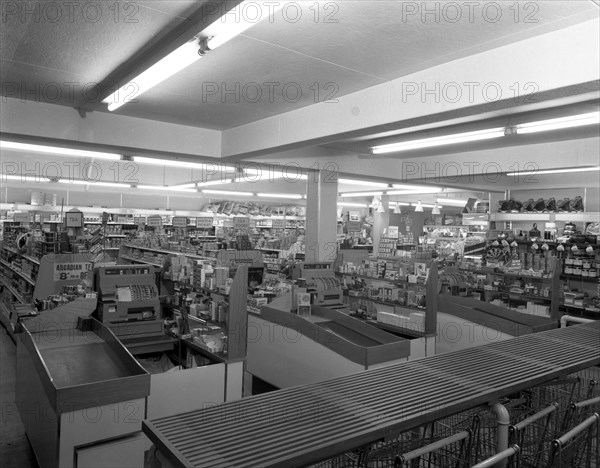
<point>299,234</point>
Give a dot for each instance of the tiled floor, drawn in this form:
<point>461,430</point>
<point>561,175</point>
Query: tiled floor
<point>15,451</point>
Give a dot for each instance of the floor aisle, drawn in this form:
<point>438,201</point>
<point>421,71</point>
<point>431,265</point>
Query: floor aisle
<point>15,451</point>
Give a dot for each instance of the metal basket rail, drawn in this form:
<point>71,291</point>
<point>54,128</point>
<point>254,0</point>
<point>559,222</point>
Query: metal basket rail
<point>578,447</point>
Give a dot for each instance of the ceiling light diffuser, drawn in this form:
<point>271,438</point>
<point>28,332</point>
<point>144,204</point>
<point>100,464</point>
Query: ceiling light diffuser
<point>167,162</point>
<point>556,171</point>
<point>439,141</point>
<point>416,192</point>
<point>589,118</point>
<point>228,192</point>
<point>366,183</point>
<point>94,183</point>
<point>164,188</point>
<point>360,194</point>
<point>418,206</point>
<point>436,209</point>
<point>58,151</point>
<point>280,195</point>
<point>173,63</point>
<point>358,205</point>
<point>236,21</point>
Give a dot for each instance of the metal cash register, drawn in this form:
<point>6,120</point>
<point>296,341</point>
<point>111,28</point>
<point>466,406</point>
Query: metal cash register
<point>321,282</point>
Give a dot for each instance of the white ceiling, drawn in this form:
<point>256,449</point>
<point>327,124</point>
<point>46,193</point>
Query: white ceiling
<point>351,46</point>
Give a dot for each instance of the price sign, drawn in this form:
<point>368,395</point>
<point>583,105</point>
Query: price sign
<point>72,271</point>
<point>73,219</point>
<point>354,226</point>
<point>393,232</point>
<point>179,221</point>
<point>354,215</point>
<point>204,223</point>
<point>139,220</point>
<point>123,218</point>
<point>241,222</point>
<point>278,224</point>
<point>22,217</point>
<point>154,221</point>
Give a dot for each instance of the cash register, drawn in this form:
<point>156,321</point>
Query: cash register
<point>128,302</point>
<point>320,281</point>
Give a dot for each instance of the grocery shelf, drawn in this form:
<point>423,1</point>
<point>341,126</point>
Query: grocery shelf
<point>139,260</point>
<point>13,291</point>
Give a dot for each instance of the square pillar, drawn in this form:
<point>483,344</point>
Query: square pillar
<point>321,216</point>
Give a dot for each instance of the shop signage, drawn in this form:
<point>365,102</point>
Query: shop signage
<point>393,232</point>
<point>74,219</point>
<point>154,221</point>
<point>354,226</point>
<point>139,220</point>
<point>278,224</point>
<point>180,221</point>
<point>241,222</point>
<point>72,271</point>
<point>21,217</point>
<point>204,223</point>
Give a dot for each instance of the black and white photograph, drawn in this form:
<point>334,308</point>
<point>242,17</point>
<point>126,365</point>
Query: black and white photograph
<point>313,234</point>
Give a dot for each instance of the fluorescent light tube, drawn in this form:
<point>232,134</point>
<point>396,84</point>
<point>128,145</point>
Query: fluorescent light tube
<point>166,189</point>
<point>422,205</point>
<point>173,63</point>
<point>236,21</point>
<point>227,192</point>
<point>280,195</point>
<point>589,118</point>
<point>190,185</point>
<point>208,183</point>
<point>399,203</point>
<point>266,173</point>
<point>451,202</point>
<point>414,192</point>
<point>363,182</point>
<point>436,209</point>
<point>359,205</point>
<point>167,162</point>
<point>58,151</point>
<point>412,187</point>
<point>94,183</point>
<point>22,178</point>
<point>555,171</point>
<point>439,141</point>
<point>360,194</point>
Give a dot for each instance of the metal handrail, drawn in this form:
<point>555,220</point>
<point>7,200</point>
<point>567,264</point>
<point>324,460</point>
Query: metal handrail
<point>438,444</point>
<point>500,456</point>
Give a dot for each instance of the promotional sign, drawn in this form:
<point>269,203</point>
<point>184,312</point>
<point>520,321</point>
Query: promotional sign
<point>74,219</point>
<point>392,232</point>
<point>21,217</point>
<point>241,222</point>
<point>180,221</point>
<point>139,220</point>
<point>154,221</point>
<point>278,224</point>
<point>72,271</point>
<point>204,223</point>
<point>354,226</point>
<point>353,215</point>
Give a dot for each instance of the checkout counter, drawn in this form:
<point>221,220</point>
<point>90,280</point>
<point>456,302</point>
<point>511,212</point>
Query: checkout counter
<point>321,342</point>
<point>80,393</point>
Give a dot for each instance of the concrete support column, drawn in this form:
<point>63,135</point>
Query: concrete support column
<point>380,222</point>
<point>321,216</point>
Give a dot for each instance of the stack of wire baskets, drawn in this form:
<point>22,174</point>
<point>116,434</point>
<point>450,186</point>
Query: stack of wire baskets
<point>555,424</point>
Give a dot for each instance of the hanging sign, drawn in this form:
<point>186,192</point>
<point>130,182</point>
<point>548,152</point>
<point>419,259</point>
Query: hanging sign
<point>74,219</point>
<point>180,221</point>
<point>393,232</point>
<point>21,217</point>
<point>154,221</point>
<point>241,222</point>
<point>204,223</point>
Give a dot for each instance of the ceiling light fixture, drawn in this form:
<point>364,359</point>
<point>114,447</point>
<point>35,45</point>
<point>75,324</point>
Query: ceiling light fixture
<point>167,162</point>
<point>11,145</point>
<point>173,63</point>
<point>418,206</point>
<point>209,183</point>
<point>22,178</point>
<point>190,185</point>
<point>451,202</point>
<point>228,192</point>
<point>165,188</point>
<point>436,209</point>
<point>94,183</point>
<point>423,205</point>
<point>415,192</point>
<point>360,194</point>
<point>397,209</point>
<point>555,171</point>
<point>358,205</point>
<point>589,118</point>
<point>439,141</point>
<point>363,182</point>
<point>280,195</point>
<point>236,21</point>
